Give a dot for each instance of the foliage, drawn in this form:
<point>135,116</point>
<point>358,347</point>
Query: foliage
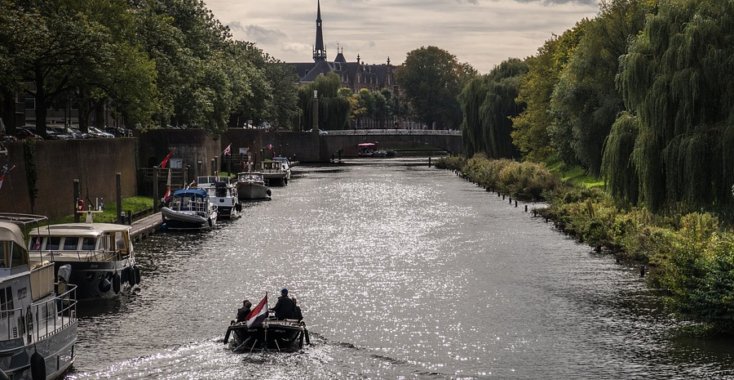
<point>520,180</point>
<point>585,102</point>
<point>432,78</point>
<point>334,107</point>
<point>676,80</point>
<point>488,104</point>
<point>533,126</point>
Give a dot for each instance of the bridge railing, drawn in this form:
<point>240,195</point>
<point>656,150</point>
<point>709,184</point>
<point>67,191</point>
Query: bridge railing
<point>368,132</point>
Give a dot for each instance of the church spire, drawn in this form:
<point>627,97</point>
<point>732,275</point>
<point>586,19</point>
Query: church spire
<point>319,52</point>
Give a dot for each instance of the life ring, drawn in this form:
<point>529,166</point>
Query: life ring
<point>116,282</point>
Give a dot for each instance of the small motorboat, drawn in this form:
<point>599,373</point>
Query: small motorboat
<point>223,194</point>
<point>286,335</point>
<point>251,186</point>
<point>189,209</point>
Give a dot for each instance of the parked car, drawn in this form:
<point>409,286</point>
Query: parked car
<point>76,133</point>
<point>321,131</point>
<point>26,133</point>
<point>57,133</point>
<point>119,131</point>
<point>96,133</point>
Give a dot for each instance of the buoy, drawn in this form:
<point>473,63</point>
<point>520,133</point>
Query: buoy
<point>104,285</point>
<point>38,366</point>
<point>285,181</point>
<point>238,207</point>
<point>116,282</point>
<point>137,274</point>
<point>268,192</point>
<point>131,280</point>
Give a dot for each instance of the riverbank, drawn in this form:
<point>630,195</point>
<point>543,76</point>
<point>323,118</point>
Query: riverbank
<point>687,256</point>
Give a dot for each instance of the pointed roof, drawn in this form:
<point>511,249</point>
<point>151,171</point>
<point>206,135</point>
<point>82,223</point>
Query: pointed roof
<point>319,52</point>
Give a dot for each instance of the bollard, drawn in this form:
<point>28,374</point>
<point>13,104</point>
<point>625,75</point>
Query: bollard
<point>503,197</point>
<point>526,208</point>
<point>510,200</point>
<point>515,203</point>
<point>498,194</point>
<point>129,217</point>
<point>642,271</point>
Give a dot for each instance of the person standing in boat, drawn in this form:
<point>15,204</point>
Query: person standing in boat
<point>284,308</point>
<point>243,311</point>
<point>297,310</point>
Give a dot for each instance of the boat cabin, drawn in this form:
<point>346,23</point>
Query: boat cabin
<point>80,242</point>
<point>190,200</point>
<point>250,177</point>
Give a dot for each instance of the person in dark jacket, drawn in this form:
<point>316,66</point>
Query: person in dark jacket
<point>243,311</point>
<point>297,310</point>
<point>284,308</point>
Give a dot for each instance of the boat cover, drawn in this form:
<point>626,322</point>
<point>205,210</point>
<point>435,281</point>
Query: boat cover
<point>201,193</point>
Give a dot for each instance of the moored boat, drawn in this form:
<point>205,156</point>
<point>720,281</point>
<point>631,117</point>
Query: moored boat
<point>276,173</point>
<point>38,324</point>
<point>189,209</point>
<point>100,256</point>
<point>223,194</point>
<point>251,186</point>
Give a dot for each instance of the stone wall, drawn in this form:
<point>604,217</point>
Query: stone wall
<point>94,162</point>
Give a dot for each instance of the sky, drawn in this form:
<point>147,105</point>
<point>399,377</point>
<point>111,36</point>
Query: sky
<point>482,33</point>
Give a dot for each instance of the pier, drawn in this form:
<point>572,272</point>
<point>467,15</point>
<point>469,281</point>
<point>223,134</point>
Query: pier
<point>145,226</point>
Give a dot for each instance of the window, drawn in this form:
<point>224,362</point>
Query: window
<point>71,243</point>
<point>119,241</point>
<point>53,243</point>
<point>30,102</point>
<point>88,244</point>
<point>6,301</point>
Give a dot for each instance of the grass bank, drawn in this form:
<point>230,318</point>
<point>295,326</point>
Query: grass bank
<point>688,256</point>
<point>135,204</point>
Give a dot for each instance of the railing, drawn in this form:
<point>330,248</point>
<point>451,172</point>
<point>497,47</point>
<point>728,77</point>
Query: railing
<point>81,255</point>
<point>368,132</point>
<point>40,319</point>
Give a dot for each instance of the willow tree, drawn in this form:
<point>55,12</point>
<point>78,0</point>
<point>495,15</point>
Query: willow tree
<point>470,100</point>
<point>677,80</point>
<point>586,99</point>
<point>334,108</point>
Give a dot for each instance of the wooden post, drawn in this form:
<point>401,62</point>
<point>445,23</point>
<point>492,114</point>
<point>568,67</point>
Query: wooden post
<point>118,183</point>
<point>156,200</point>
<point>76,200</point>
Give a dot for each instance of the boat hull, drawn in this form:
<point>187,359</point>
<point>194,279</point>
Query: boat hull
<point>252,191</point>
<point>282,336</point>
<point>186,220</point>
<point>99,279</point>
<point>56,349</point>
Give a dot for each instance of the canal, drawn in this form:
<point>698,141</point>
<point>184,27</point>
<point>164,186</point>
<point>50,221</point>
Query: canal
<point>402,272</point>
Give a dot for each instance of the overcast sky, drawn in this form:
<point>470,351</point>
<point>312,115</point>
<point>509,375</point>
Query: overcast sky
<point>482,33</point>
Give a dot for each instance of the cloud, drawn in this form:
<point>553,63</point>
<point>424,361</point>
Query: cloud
<point>257,34</point>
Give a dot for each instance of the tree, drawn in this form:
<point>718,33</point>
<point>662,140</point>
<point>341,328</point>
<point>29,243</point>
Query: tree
<point>431,78</point>
<point>677,83</point>
<point>534,134</point>
<point>334,108</point>
<point>586,101</point>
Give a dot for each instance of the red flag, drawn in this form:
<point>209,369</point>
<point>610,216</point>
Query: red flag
<point>258,314</point>
<point>165,160</point>
<point>37,244</point>
<point>168,189</point>
<point>227,150</point>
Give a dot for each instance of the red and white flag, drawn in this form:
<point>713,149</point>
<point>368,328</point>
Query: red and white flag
<point>4,173</point>
<point>258,314</point>
<point>165,160</point>
<point>227,150</point>
<point>168,189</point>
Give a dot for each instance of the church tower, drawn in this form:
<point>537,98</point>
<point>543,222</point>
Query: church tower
<point>319,52</point>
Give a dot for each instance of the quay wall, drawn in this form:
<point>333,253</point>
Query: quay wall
<point>94,162</point>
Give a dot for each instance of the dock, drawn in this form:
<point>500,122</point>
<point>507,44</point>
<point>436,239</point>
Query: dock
<point>143,227</point>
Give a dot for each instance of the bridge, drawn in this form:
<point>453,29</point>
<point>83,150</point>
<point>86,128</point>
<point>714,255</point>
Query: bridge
<point>332,142</point>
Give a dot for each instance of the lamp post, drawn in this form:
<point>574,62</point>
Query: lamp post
<point>315,129</point>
